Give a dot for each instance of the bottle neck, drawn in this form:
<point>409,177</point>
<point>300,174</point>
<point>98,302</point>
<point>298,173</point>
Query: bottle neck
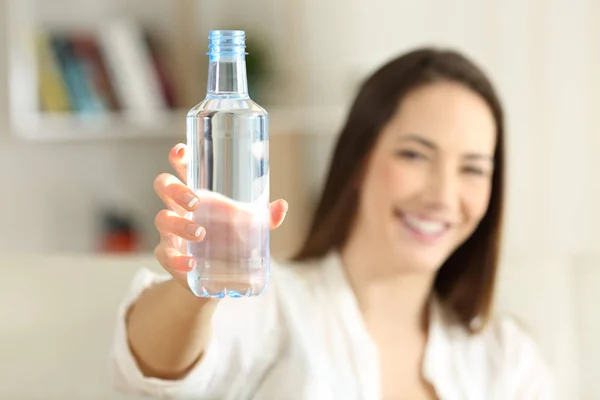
<point>227,76</point>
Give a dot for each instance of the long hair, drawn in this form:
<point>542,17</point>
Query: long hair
<point>465,282</point>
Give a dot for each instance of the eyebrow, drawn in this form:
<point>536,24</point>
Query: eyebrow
<point>428,143</point>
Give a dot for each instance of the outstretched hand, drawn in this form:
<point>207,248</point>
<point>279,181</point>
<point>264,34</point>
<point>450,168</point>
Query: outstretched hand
<point>174,226</point>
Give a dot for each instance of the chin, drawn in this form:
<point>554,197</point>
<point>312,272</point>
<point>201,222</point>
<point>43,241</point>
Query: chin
<point>410,259</point>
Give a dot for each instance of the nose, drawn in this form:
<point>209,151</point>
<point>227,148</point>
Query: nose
<point>442,192</point>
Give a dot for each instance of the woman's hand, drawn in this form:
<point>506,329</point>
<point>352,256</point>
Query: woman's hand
<point>175,229</point>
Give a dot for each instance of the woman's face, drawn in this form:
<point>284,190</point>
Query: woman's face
<point>427,181</point>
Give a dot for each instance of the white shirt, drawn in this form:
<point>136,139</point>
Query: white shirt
<point>304,338</point>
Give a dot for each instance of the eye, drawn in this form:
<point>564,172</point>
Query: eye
<point>410,155</point>
<point>477,171</point>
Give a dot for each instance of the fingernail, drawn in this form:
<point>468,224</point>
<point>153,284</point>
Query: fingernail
<point>190,200</point>
<point>192,264</point>
<point>180,151</point>
<point>194,230</point>
<point>285,207</point>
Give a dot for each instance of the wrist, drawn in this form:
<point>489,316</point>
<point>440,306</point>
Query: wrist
<point>187,302</point>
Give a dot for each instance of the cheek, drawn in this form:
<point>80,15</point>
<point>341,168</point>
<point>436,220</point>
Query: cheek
<point>377,189</point>
<point>389,182</point>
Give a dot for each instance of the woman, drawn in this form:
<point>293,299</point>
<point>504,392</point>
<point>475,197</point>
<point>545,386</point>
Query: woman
<point>390,295</point>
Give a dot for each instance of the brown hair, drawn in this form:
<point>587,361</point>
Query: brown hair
<point>465,282</point>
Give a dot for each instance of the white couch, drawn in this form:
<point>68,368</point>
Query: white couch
<point>554,297</point>
<point>58,313</point>
<point>57,316</point>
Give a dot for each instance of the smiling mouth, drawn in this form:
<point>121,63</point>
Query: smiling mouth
<point>426,230</point>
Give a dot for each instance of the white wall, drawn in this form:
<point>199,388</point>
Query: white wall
<point>592,153</point>
<point>586,281</point>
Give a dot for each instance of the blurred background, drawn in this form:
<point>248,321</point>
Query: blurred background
<point>93,94</point>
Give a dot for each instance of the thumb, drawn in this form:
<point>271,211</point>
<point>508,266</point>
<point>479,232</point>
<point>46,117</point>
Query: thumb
<point>278,209</point>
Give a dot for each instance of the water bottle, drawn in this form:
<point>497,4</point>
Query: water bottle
<point>228,168</point>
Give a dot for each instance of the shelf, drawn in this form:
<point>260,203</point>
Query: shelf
<point>48,127</point>
<point>177,27</point>
<point>28,17</point>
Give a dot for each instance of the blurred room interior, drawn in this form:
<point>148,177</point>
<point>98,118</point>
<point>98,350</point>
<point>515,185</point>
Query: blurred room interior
<point>78,205</point>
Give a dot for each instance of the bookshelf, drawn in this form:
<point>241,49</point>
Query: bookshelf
<point>179,26</point>
<point>51,127</point>
<point>31,119</point>
<point>58,127</point>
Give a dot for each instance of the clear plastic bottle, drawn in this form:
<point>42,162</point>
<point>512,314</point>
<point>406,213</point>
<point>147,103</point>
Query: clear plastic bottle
<point>227,135</point>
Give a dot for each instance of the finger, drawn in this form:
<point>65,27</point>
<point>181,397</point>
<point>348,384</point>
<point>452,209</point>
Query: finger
<point>172,259</point>
<point>175,194</point>
<point>178,157</point>
<point>174,241</point>
<point>278,210</point>
<point>169,222</point>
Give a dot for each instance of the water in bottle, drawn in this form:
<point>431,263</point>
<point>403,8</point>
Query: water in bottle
<point>228,168</point>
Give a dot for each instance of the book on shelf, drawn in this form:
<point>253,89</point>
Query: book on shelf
<point>119,68</point>
<point>53,95</point>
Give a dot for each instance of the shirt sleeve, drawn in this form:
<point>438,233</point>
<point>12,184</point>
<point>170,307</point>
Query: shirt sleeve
<point>244,341</point>
<point>528,375</point>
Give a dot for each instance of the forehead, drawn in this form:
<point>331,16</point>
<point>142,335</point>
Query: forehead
<point>448,114</point>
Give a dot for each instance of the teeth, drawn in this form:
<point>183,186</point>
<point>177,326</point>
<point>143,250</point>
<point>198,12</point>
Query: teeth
<point>426,227</point>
